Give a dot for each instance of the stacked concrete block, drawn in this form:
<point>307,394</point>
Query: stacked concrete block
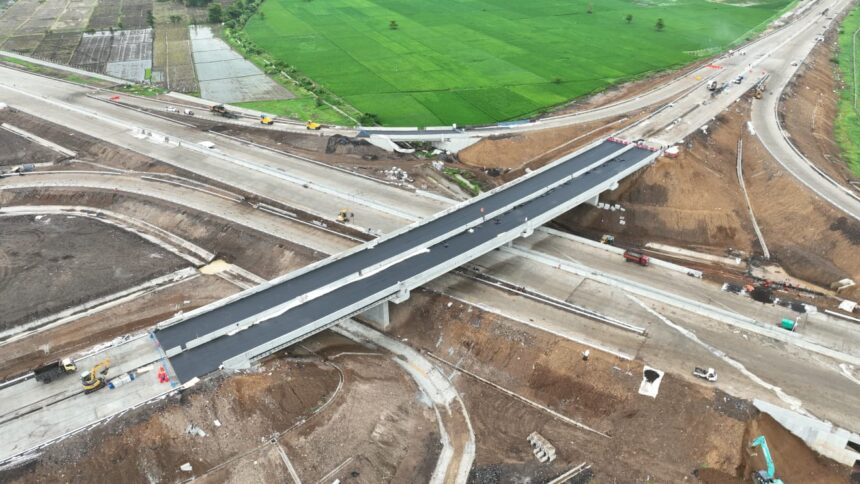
<point>542,449</point>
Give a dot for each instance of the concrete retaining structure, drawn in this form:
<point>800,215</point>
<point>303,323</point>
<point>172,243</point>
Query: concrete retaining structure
<point>821,436</point>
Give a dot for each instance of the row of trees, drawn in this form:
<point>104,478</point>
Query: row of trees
<point>234,16</point>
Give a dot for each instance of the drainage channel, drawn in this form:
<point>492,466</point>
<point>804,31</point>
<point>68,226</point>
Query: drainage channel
<point>474,273</point>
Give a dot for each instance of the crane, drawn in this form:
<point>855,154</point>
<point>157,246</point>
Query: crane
<point>765,477</point>
<point>95,378</point>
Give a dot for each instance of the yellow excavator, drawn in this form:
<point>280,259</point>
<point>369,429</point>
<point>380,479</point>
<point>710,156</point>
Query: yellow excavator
<point>313,126</point>
<point>96,378</point>
<point>344,215</point>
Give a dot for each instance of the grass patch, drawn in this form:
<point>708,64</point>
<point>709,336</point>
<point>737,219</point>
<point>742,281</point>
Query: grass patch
<point>303,108</point>
<point>469,62</point>
<point>55,73</point>
<point>847,127</point>
<point>464,179</point>
<point>141,90</point>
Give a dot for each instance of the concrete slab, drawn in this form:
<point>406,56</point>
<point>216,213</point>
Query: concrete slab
<point>32,413</point>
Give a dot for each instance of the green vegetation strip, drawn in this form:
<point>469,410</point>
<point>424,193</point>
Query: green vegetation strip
<point>56,73</point>
<point>472,62</point>
<point>847,129</point>
<point>465,179</point>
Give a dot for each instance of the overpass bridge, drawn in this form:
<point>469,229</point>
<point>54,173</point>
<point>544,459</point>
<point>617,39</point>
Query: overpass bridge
<point>234,332</point>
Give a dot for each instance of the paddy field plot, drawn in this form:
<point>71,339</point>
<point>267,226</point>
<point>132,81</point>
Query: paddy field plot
<point>469,61</point>
<point>225,76</point>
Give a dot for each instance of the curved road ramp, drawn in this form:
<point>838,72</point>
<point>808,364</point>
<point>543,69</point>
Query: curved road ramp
<point>234,332</point>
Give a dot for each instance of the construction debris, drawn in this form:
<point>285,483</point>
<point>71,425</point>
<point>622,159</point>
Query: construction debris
<point>651,379</point>
<point>195,430</point>
<point>542,449</point>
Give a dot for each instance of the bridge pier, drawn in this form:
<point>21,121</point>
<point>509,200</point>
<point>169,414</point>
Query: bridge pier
<point>377,316</point>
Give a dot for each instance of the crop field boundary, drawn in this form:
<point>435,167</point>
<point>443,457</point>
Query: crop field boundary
<point>452,62</point>
<point>847,126</point>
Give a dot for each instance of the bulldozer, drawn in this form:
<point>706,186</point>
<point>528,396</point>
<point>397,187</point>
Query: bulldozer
<point>345,216</point>
<point>96,378</point>
<point>313,126</point>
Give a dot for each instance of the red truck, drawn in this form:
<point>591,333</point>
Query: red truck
<point>637,257</point>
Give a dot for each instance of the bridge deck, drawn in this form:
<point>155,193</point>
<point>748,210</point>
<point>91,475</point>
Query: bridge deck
<point>203,359</point>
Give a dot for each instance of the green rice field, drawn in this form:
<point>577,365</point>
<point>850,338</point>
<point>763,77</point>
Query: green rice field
<point>484,61</point>
<point>847,127</point>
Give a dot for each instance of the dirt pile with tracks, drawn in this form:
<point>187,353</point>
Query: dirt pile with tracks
<point>687,428</point>
<point>331,413</point>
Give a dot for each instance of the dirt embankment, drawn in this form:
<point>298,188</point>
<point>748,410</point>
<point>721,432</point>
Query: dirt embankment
<point>534,149</point>
<point>688,427</point>
<point>809,107</point>
<point>356,417</point>
<point>696,201</point>
<point>693,200</point>
<point>152,443</point>
<point>807,236</point>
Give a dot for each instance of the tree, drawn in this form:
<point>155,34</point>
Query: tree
<point>216,13</point>
<point>175,19</point>
<point>393,25</point>
<point>262,16</point>
<point>660,25</point>
<point>150,19</point>
<point>590,8</point>
<point>629,18</point>
<point>119,25</point>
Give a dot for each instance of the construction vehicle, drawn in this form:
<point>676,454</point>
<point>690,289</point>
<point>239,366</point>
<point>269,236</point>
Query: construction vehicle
<point>764,476</point>
<point>345,215</point>
<point>637,257</point>
<point>266,120</point>
<point>52,371</point>
<point>314,126</point>
<point>220,109</point>
<point>760,86</point>
<point>709,374</point>
<point>95,378</point>
<point>607,239</point>
<point>712,85</point>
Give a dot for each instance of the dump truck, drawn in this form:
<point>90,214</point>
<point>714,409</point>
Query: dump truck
<point>52,371</point>
<point>637,257</point>
<point>313,126</point>
<point>220,109</point>
<point>712,85</point>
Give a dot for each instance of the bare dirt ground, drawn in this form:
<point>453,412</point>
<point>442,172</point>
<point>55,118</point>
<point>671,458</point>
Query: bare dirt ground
<point>809,108</point>
<point>372,427</point>
<point>688,427</point>
<point>534,149</point>
<point>50,263</point>
<point>18,150</point>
